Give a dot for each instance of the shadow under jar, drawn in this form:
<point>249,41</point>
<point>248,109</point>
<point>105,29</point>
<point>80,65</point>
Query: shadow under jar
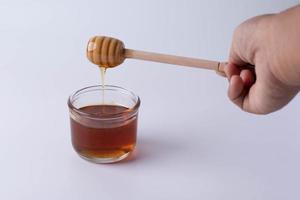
<point>103,123</point>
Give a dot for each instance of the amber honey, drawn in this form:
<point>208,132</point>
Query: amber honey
<point>112,141</point>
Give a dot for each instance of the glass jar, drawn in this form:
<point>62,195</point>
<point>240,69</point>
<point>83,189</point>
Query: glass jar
<point>103,122</point>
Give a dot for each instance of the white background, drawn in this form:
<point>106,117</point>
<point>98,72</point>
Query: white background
<point>193,142</point>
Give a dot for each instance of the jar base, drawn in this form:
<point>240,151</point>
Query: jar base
<point>98,160</point>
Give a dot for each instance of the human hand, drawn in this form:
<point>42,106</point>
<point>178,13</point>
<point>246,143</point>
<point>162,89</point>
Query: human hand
<point>264,42</point>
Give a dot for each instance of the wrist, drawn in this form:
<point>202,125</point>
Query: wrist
<point>284,47</point>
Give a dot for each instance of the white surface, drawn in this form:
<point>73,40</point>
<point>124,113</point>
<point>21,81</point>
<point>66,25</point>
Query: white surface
<point>193,143</point>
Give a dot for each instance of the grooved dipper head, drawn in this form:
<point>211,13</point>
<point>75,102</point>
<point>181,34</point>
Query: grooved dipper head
<point>105,51</point>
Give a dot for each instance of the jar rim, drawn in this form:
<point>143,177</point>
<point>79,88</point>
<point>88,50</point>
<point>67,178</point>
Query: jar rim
<point>120,115</point>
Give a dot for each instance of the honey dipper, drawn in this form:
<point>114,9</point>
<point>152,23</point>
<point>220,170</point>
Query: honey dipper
<point>109,52</point>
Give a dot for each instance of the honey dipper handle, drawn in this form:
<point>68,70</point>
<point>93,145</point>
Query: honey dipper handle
<point>220,69</point>
<point>222,65</point>
<point>176,60</point>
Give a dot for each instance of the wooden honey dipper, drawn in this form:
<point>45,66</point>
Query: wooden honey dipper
<point>109,52</point>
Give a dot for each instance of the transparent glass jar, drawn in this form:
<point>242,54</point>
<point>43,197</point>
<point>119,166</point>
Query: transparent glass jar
<point>103,122</point>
